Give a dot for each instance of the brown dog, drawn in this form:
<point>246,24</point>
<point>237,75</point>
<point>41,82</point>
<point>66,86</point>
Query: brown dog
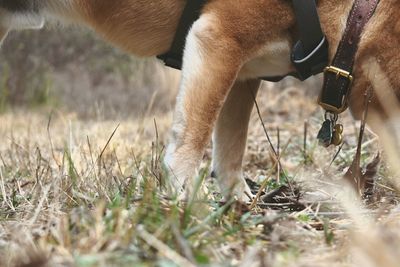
<point>232,44</point>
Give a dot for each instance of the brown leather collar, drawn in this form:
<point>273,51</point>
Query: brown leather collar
<point>338,77</point>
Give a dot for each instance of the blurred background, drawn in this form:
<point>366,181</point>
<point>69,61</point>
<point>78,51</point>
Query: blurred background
<point>71,69</point>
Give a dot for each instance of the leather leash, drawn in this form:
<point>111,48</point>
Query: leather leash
<point>338,76</point>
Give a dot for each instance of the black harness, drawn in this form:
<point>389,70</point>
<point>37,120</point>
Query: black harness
<point>309,55</point>
<point>191,12</point>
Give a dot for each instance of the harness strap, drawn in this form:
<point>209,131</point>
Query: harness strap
<point>310,53</point>
<point>309,26</point>
<point>338,77</point>
<point>191,12</point>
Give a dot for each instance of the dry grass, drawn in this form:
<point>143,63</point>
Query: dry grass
<point>68,197</point>
<point>80,183</point>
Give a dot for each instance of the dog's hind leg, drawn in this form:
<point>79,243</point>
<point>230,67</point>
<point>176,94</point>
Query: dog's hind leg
<point>229,139</point>
<point>210,67</point>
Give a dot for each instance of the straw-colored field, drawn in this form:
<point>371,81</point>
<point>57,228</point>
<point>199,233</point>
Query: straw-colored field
<point>80,174</point>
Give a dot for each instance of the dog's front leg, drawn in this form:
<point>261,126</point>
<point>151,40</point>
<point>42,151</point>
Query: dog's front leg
<point>229,139</point>
<point>210,67</point>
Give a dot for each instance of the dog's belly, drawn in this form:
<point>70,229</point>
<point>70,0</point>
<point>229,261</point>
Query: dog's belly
<point>272,60</point>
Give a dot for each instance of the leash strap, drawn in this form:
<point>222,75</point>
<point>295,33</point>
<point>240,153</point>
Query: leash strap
<point>191,12</point>
<point>338,76</point>
<point>310,53</point>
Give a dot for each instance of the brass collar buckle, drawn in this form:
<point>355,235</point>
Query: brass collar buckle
<point>336,103</point>
<point>339,73</point>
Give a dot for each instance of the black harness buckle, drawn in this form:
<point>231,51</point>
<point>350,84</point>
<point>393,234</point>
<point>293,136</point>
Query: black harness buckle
<point>310,64</point>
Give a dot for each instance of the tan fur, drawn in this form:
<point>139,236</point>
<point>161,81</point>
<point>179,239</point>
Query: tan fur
<point>381,42</point>
<point>145,28</point>
<point>230,40</point>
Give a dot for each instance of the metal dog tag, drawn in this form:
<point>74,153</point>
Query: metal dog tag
<point>337,138</point>
<point>325,135</point>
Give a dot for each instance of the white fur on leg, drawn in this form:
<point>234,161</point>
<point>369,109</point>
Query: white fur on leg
<point>233,184</point>
<point>229,139</point>
<point>182,164</point>
<point>181,168</point>
<point>230,178</point>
